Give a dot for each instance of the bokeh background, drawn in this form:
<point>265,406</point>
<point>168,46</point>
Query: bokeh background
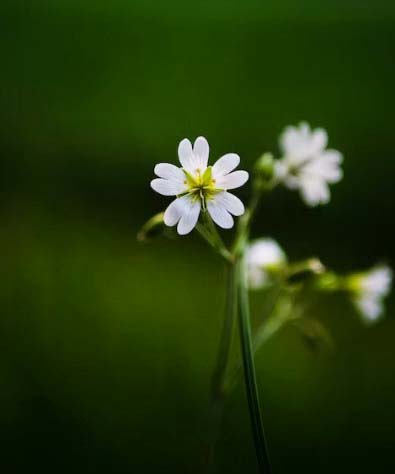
<point>106,344</point>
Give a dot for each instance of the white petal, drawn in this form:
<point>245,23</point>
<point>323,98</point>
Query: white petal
<point>293,141</point>
<point>225,164</point>
<point>319,140</point>
<point>265,252</point>
<point>167,187</point>
<point>301,143</point>
<point>314,191</point>
<point>186,156</point>
<point>230,202</point>
<point>377,281</point>
<point>370,307</point>
<point>168,171</point>
<point>219,215</point>
<point>201,151</point>
<point>333,156</point>
<point>325,166</point>
<point>190,216</point>
<point>175,210</point>
<point>232,180</point>
<point>257,277</point>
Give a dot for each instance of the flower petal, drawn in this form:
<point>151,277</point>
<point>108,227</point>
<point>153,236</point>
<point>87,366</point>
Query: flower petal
<point>167,187</point>
<point>292,140</point>
<point>186,156</point>
<point>377,281</point>
<point>319,140</point>
<point>301,143</point>
<point>175,210</point>
<point>225,164</point>
<point>219,214</point>
<point>257,277</point>
<point>232,180</point>
<point>190,216</point>
<point>314,191</point>
<point>201,151</point>
<point>370,307</point>
<point>170,172</point>
<point>265,252</point>
<point>325,166</point>
<point>230,202</point>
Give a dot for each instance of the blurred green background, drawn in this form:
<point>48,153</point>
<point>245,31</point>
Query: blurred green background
<point>107,345</point>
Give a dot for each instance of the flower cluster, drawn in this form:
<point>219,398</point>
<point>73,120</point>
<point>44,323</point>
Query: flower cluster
<point>202,199</point>
<point>267,261</point>
<point>305,164</point>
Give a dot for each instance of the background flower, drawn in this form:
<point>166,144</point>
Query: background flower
<point>263,256</point>
<point>307,165</point>
<point>370,289</point>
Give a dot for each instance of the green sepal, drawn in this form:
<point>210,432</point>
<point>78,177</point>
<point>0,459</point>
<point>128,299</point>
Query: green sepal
<point>190,179</point>
<point>152,227</point>
<point>207,176</point>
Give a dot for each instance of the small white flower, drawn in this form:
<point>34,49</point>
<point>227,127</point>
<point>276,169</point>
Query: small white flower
<point>199,186</point>
<point>369,290</point>
<point>263,256</point>
<point>307,165</point>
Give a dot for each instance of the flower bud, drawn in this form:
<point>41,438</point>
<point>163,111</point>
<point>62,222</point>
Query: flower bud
<point>300,271</point>
<point>264,171</point>
<point>328,282</point>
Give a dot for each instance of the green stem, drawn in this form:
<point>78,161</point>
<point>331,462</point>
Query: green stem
<point>226,335</point>
<point>212,240</point>
<point>278,315</point>
<point>249,372</point>
<point>243,230</point>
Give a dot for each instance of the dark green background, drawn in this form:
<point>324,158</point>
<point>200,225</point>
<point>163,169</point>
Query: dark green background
<point>107,345</point>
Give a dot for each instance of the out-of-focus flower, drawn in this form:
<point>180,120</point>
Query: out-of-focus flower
<point>264,258</point>
<point>369,290</point>
<point>307,165</point>
<point>199,186</point>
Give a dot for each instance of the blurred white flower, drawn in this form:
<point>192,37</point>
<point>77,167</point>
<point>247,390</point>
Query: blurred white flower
<point>307,165</point>
<point>264,256</point>
<point>199,186</point>
<point>369,290</point>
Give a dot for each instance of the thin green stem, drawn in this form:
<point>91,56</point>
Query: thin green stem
<point>243,230</point>
<point>218,384</point>
<point>249,372</point>
<point>216,236</point>
<point>212,240</point>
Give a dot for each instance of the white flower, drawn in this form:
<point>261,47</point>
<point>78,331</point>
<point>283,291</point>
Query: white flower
<point>263,256</point>
<point>307,165</point>
<point>199,186</point>
<point>370,289</point>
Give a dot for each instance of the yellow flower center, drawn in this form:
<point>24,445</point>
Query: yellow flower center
<point>201,185</point>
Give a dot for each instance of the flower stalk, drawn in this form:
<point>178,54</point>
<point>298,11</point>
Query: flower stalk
<point>249,370</point>
<point>218,380</point>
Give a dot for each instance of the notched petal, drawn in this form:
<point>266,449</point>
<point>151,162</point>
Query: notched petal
<point>233,180</point>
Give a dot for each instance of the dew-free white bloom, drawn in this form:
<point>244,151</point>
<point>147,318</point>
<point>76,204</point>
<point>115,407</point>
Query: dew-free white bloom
<point>263,256</point>
<point>370,289</point>
<point>199,186</point>
<point>307,165</point>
